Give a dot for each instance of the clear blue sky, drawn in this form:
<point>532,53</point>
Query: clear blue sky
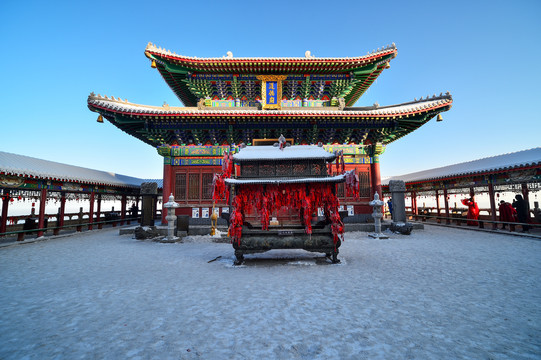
<point>486,53</point>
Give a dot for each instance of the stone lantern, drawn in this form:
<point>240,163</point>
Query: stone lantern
<point>377,215</point>
<point>171,205</point>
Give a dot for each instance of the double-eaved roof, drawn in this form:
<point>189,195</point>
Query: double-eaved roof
<point>225,101</point>
<point>30,167</point>
<point>505,162</point>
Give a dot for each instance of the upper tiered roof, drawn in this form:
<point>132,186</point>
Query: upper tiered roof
<point>352,75</point>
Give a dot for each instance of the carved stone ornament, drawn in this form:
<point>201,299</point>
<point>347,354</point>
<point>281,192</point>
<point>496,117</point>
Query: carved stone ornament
<point>341,103</point>
<point>149,188</point>
<point>397,186</point>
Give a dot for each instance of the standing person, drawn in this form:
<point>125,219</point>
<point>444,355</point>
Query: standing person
<point>522,211</point>
<point>507,214</point>
<point>473,211</point>
<point>390,206</point>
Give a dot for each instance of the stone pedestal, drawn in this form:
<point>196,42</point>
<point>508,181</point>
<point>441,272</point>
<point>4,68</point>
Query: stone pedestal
<point>397,189</point>
<point>399,219</point>
<point>149,193</point>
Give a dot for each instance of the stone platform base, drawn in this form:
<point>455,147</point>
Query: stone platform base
<point>205,229</point>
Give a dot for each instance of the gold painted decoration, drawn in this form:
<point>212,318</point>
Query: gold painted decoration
<point>11,181</point>
<point>271,90</point>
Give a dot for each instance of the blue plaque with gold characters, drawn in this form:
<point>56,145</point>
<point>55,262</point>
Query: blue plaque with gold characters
<point>272,93</point>
<point>271,90</point>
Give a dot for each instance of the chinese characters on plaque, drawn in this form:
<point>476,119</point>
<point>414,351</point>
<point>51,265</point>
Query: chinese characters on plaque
<point>272,93</point>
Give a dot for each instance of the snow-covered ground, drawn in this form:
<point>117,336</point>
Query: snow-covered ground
<point>437,294</point>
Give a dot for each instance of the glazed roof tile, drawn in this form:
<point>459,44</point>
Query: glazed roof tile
<point>307,58</point>
<point>26,166</point>
<point>519,159</point>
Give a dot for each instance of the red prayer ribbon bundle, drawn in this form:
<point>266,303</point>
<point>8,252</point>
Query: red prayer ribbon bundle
<point>266,199</point>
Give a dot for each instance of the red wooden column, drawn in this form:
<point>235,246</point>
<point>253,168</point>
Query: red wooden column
<point>492,203</point>
<point>91,211</point>
<point>414,205</point>
<point>123,209</point>
<point>5,204</point>
<point>446,202</point>
<point>167,188</point>
<point>438,206</point>
<point>60,219</point>
<point>155,207</point>
<point>41,221</point>
<point>98,212</point>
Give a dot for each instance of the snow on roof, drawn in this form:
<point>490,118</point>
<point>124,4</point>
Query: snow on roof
<point>296,152</point>
<point>278,181</point>
<point>119,105</point>
<point>20,165</point>
<point>307,56</point>
<point>517,159</point>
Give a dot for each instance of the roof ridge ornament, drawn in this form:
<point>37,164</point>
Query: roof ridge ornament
<point>308,55</point>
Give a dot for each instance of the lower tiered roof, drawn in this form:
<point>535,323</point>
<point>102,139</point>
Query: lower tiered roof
<point>216,126</point>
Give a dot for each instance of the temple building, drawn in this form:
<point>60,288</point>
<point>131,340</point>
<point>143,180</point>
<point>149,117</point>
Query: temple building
<point>231,101</point>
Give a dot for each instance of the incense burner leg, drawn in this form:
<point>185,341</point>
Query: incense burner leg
<point>335,259</point>
<point>240,257</point>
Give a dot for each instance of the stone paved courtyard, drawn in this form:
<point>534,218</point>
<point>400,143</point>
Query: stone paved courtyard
<point>437,294</point>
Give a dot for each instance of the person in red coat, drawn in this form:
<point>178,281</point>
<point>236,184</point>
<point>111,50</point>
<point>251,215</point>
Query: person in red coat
<point>473,211</point>
<point>507,213</point>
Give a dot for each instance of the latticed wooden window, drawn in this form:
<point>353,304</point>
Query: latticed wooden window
<point>284,169</point>
<point>301,169</point>
<point>319,168</point>
<point>180,186</point>
<point>193,187</point>
<point>364,184</point>
<point>267,169</point>
<point>207,186</point>
<point>340,190</point>
<point>249,170</point>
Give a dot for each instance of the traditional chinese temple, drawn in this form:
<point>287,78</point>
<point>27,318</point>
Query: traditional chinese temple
<point>231,101</point>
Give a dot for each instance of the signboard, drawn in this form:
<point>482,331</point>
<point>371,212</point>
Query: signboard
<point>271,90</point>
